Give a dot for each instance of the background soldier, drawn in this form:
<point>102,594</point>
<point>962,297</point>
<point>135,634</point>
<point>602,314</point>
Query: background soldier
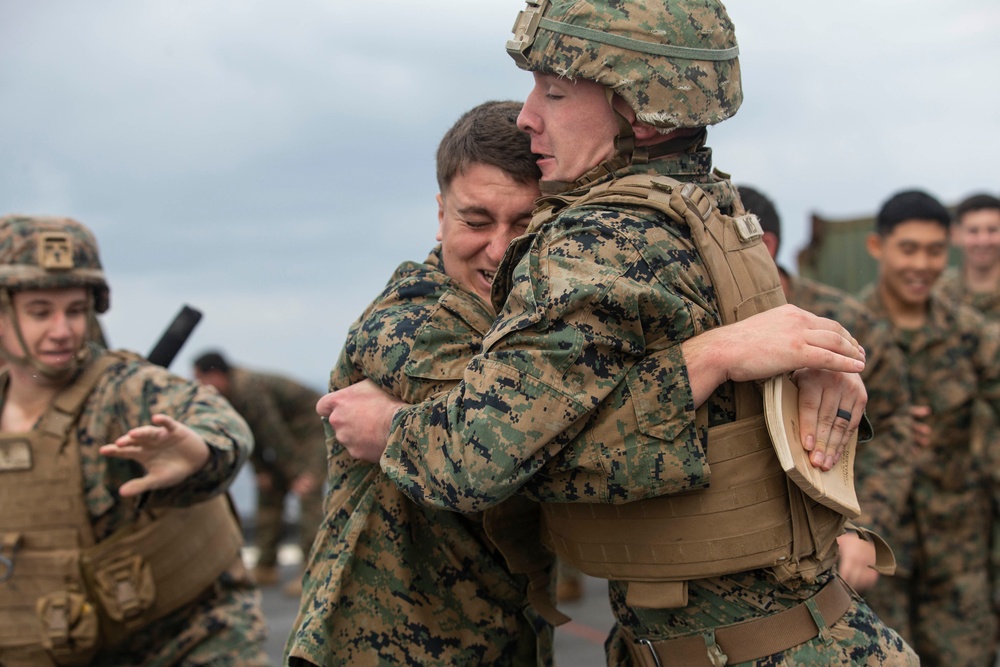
<point>607,389</point>
<point>116,547</point>
<point>391,582</point>
<point>944,606</point>
<point>976,230</point>
<point>289,456</point>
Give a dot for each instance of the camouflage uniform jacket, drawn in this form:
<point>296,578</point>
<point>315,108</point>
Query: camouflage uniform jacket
<point>592,316</point>
<point>390,582</point>
<point>125,397</point>
<point>951,284</point>
<point>884,466</point>
<point>952,360</point>
<point>282,415</point>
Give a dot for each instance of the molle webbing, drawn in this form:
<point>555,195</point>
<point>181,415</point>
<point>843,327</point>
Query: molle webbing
<point>43,511</point>
<point>751,516</point>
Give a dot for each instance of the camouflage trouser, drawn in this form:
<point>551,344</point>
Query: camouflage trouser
<point>944,607</point>
<point>225,628</point>
<point>270,513</point>
<point>859,638</point>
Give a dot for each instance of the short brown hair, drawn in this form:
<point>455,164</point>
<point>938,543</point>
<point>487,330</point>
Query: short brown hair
<point>487,134</point>
<point>977,202</point>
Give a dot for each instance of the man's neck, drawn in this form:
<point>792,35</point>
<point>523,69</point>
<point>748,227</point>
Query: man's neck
<point>903,315</point>
<point>28,397</point>
<point>982,279</point>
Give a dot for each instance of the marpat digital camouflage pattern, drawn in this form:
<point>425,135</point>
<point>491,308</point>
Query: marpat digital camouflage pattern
<point>390,582</point>
<point>952,285</point>
<point>36,257</point>
<point>558,406</point>
<point>944,605</point>
<point>581,391</point>
<point>676,63</point>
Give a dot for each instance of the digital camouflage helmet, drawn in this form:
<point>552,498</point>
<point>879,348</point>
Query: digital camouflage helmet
<point>674,61</point>
<point>41,252</point>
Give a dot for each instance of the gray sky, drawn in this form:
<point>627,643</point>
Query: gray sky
<point>271,163</point>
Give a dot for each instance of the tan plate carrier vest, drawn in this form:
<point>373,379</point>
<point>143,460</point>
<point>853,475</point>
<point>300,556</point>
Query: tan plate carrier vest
<point>63,597</point>
<point>752,515</point>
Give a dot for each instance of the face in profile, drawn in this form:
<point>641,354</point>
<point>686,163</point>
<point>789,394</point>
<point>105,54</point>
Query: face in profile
<point>571,126</point>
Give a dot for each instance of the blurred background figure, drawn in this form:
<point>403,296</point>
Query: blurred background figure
<point>975,232</point>
<point>289,456</point>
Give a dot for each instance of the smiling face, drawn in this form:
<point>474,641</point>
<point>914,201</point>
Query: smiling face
<point>571,126</point>
<point>977,233</point>
<point>483,210</point>
<point>53,324</point>
<point>911,257</point>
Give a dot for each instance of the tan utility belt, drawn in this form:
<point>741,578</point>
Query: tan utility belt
<point>750,640</point>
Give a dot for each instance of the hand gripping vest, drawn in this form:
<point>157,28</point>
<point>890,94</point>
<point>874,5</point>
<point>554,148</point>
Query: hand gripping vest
<point>64,597</point>
<point>751,516</point>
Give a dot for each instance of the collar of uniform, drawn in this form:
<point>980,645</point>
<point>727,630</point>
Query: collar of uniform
<point>940,317</point>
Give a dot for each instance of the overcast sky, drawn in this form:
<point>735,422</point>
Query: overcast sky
<point>270,163</point>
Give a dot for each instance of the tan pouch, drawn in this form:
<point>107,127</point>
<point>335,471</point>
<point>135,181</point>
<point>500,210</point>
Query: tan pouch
<point>69,627</point>
<point>125,587</point>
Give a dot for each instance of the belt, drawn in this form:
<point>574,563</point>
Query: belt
<point>750,640</point>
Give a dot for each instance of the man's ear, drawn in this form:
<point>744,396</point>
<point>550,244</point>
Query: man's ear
<point>440,201</point>
<point>644,131</point>
<point>770,240</point>
<point>873,243</point>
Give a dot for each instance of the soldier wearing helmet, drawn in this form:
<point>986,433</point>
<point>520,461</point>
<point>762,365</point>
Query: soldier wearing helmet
<point>116,547</point>
<point>617,384</point>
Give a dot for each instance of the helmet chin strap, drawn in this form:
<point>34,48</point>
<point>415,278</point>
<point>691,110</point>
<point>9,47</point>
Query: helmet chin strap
<point>46,370</point>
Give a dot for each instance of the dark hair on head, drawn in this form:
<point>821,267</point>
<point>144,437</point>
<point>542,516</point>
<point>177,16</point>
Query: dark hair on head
<point>487,134</point>
<point>212,361</point>
<point>756,202</point>
<point>910,205</point>
<point>976,202</point>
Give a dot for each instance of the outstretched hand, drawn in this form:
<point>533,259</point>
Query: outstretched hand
<point>168,450</point>
<point>360,416</point>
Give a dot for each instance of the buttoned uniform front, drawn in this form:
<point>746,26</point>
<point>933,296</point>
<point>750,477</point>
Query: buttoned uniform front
<point>289,441</point>
<point>391,582</point>
<point>224,625</point>
<point>943,603</point>
<point>558,405</point>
